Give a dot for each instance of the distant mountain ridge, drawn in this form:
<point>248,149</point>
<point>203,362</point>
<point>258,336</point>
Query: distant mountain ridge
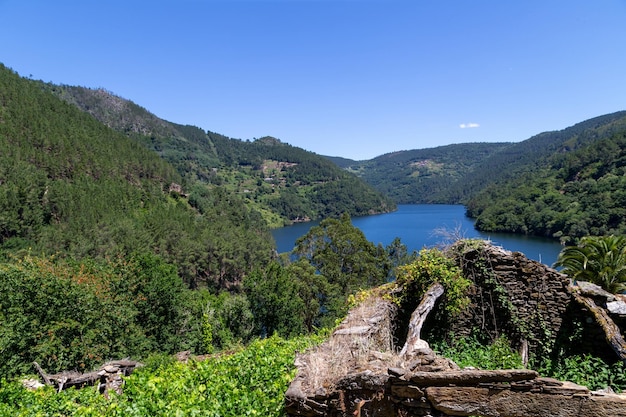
<point>284,183</point>
<point>578,189</point>
<point>533,153</point>
<point>422,175</point>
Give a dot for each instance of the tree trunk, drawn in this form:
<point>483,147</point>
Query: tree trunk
<point>413,340</point>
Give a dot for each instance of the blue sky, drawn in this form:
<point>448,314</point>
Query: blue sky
<point>351,78</point>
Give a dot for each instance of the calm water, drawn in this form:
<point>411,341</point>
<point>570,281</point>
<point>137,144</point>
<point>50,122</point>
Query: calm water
<point>417,225</point>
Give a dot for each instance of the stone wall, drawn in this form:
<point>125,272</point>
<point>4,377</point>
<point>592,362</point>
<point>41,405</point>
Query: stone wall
<point>513,295</point>
<point>533,305</point>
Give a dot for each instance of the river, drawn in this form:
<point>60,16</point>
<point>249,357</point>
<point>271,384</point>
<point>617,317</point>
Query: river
<point>420,225</point>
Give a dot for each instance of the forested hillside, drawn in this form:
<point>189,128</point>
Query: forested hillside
<point>422,175</point>
<point>70,185</point>
<point>282,182</point>
<point>578,190</point>
<point>533,154</point>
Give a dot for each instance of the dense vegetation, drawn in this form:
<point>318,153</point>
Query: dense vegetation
<point>108,250</point>
<point>282,182</point>
<point>72,186</point>
<point>68,314</point>
<point>586,370</point>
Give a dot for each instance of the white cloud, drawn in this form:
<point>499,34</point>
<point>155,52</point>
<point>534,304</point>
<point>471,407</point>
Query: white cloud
<point>468,125</point>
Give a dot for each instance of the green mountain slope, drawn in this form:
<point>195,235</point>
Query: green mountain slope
<point>186,147</point>
<point>573,187</point>
<point>283,182</point>
<point>532,154</point>
<point>422,175</point>
<point>73,186</point>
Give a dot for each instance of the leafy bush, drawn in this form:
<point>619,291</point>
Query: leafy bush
<point>598,259</point>
<point>470,352</point>
<point>66,315</point>
<point>249,382</point>
<point>218,321</point>
<point>587,370</point>
<point>431,267</point>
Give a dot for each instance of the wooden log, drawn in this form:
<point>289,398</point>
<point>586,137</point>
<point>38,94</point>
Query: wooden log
<point>72,380</point>
<point>612,332</point>
<point>413,340</point>
<point>64,380</point>
<point>41,373</point>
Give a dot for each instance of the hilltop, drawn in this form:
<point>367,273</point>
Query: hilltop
<point>573,191</point>
<point>499,182</point>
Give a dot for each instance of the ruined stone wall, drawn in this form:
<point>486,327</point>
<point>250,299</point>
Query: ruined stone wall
<point>513,295</point>
<point>360,372</point>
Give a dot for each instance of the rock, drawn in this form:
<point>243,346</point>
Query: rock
<point>603,391</point>
<point>406,391</point>
<point>357,330</point>
<point>549,382</point>
<point>363,381</point>
<point>464,401</point>
<point>397,372</point>
<point>567,388</point>
<point>32,384</point>
<point>592,290</point>
<point>183,356</point>
<point>427,379</point>
<point>617,307</point>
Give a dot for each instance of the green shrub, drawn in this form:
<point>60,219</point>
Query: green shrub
<point>587,370</point>
<point>470,352</point>
<point>68,315</point>
<point>432,266</point>
<point>249,382</point>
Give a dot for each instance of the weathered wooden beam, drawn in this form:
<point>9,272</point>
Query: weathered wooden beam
<point>418,317</point>
<point>64,380</point>
<point>42,374</point>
